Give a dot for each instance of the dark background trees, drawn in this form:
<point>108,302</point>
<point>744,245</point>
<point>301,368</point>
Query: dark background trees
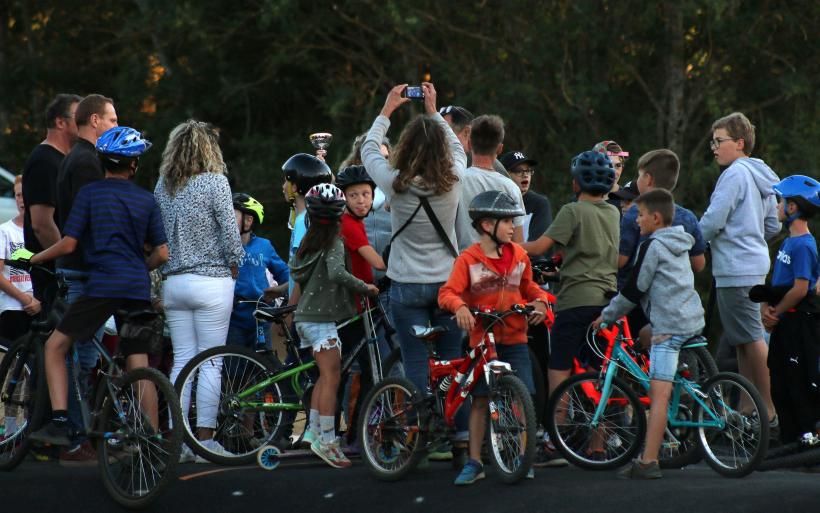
<point>563,74</point>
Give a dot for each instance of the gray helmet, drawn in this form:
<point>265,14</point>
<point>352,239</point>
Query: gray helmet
<point>494,205</point>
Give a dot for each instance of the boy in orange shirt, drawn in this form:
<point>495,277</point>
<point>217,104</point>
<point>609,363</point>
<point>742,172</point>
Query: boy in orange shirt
<point>493,273</point>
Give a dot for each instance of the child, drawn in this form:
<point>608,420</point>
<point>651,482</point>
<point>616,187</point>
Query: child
<point>114,218</point>
<point>323,289</point>
<point>493,272</point>
<point>17,301</point>
<point>252,280</point>
<point>794,317</point>
<point>626,196</point>
<point>587,232</point>
<point>618,158</point>
<point>663,283</point>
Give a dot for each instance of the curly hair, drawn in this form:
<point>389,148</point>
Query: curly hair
<point>354,158</point>
<point>423,154</point>
<point>193,148</point>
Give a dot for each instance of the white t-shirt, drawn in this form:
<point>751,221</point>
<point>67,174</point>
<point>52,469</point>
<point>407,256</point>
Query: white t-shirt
<point>11,239</point>
<point>476,181</point>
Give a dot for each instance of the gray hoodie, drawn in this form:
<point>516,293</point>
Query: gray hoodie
<point>741,217</point>
<point>663,282</point>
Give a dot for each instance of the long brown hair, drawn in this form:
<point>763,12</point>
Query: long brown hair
<point>423,151</point>
<point>319,237</point>
<point>193,148</point>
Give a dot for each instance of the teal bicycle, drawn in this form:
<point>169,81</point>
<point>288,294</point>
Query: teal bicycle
<point>598,421</point>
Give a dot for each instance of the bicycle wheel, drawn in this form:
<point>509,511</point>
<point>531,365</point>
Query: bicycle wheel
<point>208,387</point>
<point>680,445</point>
<point>138,460</point>
<point>621,428</point>
<point>392,428</point>
<point>393,366</point>
<point>23,399</point>
<point>512,429</point>
<point>738,447</point>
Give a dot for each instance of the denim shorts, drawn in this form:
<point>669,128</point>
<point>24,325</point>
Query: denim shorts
<point>518,356</point>
<point>663,358</point>
<point>319,336</point>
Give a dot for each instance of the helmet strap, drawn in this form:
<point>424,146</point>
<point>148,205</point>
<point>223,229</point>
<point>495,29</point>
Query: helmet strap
<point>494,237</point>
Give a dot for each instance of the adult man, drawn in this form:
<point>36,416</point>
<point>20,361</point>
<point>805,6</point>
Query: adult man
<point>460,120</point>
<point>40,181</point>
<point>538,208</point>
<point>94,115</point>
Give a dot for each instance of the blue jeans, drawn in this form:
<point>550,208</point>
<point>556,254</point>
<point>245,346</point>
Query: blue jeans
<point>86,351</point>
<point>252,338</point>
<point>417,304</point>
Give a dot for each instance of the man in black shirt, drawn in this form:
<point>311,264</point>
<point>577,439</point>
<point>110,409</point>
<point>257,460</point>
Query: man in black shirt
<point>521,169</point>
<point>40,181</point>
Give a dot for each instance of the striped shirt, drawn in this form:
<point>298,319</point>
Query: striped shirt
<point>113,219</point>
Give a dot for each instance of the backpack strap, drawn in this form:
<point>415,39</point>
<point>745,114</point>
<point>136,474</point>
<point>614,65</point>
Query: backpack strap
<point>406,223</point>
<point>439,230</point>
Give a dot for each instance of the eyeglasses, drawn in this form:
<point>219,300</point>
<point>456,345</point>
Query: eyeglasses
<point>717,141</point>
<point>523,172</point>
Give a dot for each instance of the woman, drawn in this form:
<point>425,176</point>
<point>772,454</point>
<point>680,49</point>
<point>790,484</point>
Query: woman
<point>428,161</point>
<point>205,252</point>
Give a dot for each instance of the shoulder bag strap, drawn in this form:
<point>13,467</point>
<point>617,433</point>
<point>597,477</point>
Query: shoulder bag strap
<point>406,223</point>
<point>439,230</point>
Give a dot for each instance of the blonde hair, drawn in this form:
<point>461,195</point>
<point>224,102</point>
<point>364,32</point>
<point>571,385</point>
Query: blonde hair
<point>193,148</point>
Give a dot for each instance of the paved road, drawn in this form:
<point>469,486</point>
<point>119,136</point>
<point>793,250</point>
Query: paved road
<point>307,486</point>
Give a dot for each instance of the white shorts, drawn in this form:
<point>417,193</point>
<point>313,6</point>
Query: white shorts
<point>318,336</point>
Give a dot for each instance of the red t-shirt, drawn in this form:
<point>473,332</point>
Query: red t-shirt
<point>355,237</point>
<point>502,264</point>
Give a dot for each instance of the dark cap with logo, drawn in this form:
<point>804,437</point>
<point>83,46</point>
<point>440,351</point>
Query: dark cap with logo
<point>513,158</point>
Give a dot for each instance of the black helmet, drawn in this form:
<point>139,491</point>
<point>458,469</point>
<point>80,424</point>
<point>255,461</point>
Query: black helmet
<point>593,171</point>
<point>352,175</point>
<point>305,171</point>
<point>494,205</point>
<point>325,201</point>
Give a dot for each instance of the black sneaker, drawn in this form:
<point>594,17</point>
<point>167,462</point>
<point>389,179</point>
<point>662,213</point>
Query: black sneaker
<point>640,470</point>
<point>547,456</point>
<point>51,434</point>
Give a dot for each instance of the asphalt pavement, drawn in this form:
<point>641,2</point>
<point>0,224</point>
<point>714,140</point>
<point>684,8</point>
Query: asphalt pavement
<point>304,484</point>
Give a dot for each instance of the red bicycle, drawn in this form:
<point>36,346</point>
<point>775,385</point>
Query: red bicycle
<point>398,422</point>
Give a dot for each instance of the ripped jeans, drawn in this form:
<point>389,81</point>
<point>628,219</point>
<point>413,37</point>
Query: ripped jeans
<point>318,336</point>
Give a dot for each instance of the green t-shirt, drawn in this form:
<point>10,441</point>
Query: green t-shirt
<point>588,233</point>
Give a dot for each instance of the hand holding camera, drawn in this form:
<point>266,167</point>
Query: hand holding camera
<point>394,100</point>
<point>429,97</point>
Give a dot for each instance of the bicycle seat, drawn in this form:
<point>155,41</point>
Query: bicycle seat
<point>273,313</point>
<point>138,315</point>
<point>427,332</point>
<point>696,341</point>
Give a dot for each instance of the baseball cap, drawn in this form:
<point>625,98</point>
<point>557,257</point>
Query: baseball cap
<point>610,149</point>
<point>513,158</point>
<point>459,115</point>
<point>628,192</point>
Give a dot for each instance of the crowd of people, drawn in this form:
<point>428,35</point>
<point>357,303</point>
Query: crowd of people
<point>448,215</point>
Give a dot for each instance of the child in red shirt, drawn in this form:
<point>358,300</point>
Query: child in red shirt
<point>493,273</point>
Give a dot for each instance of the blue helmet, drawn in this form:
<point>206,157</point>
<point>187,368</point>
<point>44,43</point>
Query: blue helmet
<point>802,190</point>
<point>122,142</point>
<point>593,171</point>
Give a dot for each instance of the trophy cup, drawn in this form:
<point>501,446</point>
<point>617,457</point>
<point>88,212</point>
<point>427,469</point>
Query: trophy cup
<point>321,141</point>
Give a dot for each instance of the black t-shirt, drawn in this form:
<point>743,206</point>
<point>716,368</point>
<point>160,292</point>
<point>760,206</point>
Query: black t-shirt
<point>80,167</point>
<point>539,207</point>
<point>40,187</point>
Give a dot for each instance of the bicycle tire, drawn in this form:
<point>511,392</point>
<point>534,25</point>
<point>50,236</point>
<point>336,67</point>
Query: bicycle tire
<point>30,390</point>
<point>239,432</point>
<point>626,423</point>
<point>137,468</point>
<point>392,444</point>
<point>743,428</point>
<point>511,457</point>
<point>683,449</point>
<point>801,457</point>
<point>393,365</point>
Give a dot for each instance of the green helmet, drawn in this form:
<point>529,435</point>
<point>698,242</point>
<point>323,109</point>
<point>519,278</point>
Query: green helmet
<point>245,203</point>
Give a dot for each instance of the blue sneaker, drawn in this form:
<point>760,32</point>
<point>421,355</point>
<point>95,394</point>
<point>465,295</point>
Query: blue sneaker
<point>472,472</point>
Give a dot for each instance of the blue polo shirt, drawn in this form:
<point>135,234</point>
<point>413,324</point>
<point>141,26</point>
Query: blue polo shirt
<point>252,279</point>
<point>113,219</point>
<point>796,260</point>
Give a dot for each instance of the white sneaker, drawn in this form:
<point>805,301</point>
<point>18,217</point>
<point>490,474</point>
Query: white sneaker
<point>186,455</point>
<point>214,447</point>
<point>309,437</point>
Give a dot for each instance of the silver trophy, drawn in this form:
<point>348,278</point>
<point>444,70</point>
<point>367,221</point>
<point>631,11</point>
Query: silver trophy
<point>321,140</point>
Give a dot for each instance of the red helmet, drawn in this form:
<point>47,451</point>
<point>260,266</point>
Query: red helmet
<point>325,201</point>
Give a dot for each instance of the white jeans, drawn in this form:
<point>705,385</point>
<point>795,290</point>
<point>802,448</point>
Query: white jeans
<point>197,311</point>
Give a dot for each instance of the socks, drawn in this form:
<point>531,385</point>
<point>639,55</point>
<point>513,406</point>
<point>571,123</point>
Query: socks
<point>60,418</point>
<point>328,428</point>
<point>313,422</point>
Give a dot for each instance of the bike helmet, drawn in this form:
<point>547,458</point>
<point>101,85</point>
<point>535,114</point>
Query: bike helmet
<point>593,171</point>
<point>325,201</point>
<point>494,205</point>
<point>121,144</point>
<point>803,190</point>
<point>305,171</point>
<point>353,175</point>
<point>246,204</point>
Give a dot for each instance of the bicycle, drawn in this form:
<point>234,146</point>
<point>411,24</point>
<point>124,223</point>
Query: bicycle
<point>398,423</point>
<point>597,421</point>
<point>137,449</point>
<point>259,400</point>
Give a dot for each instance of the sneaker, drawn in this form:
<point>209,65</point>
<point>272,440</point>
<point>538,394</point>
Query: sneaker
<point>186,455</point>
<point>546,456</point>
<point>51,434</point>
<point>640,470</point>
<point>531,473</point>
<point>214,447</point>
<point>472,472</point>
<point>309,438</point>
<point>441,452</point>
<point>330,453</point>
<point>82,455</point>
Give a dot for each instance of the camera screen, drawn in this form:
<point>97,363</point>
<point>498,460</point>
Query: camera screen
<point>414,92</point>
